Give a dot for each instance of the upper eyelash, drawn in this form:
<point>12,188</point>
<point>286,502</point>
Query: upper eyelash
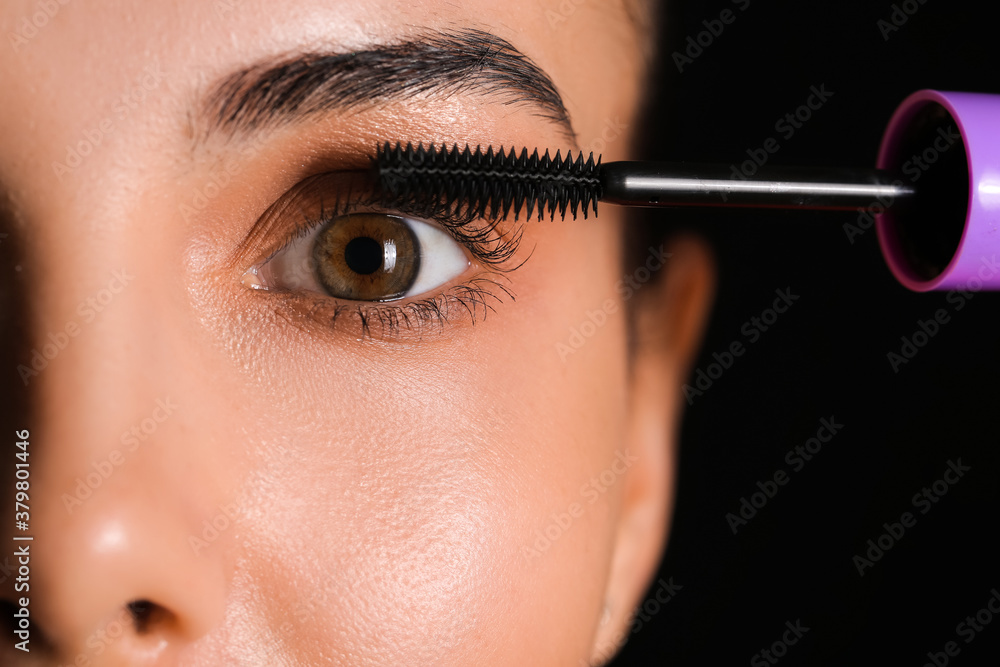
<point>484,239</point>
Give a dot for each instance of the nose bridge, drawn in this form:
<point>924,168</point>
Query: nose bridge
<point>94,316</point>
<point>87,327</point>
<point>97,368</point>
<point>108,331</point>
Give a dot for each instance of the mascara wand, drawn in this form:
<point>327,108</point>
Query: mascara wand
<point>934,195</point>
<point>496,183</point>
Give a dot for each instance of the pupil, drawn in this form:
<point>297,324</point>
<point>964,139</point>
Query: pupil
<point>363,255</point>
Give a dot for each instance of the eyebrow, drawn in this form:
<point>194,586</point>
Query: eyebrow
<point>438,64</point>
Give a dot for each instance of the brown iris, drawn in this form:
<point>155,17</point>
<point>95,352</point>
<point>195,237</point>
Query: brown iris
<point>367,257</point>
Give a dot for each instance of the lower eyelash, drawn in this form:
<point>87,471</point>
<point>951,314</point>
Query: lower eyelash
<point>474,299</point>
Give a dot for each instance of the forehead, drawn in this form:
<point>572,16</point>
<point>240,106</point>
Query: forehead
<point>95,47</point>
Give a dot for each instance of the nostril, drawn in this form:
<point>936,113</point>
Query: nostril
<point>140,610</point>
<point>147,616</point>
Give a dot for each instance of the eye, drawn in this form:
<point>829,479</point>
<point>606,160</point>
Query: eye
<point>367,257</point>
<point>337,251</point>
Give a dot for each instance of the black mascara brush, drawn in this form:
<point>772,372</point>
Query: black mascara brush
<point>495,183</point>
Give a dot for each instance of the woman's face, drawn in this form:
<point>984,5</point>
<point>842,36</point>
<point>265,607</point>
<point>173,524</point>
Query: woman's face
<point>286,477</point>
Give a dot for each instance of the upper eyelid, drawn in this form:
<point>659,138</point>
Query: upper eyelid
<point>489,243</point>
<point>260,235</point>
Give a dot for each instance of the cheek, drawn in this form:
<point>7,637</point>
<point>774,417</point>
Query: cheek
<point>419,503</point>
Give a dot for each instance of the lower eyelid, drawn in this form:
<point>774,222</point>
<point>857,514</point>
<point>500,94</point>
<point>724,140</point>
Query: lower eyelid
<point>468,302</point>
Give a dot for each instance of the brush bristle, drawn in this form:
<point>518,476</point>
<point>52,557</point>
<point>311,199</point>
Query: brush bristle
<point>489,184</point>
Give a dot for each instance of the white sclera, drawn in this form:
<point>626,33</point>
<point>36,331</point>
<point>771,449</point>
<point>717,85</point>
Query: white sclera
<point>441,257</point>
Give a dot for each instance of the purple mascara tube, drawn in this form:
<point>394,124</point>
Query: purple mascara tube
<point>946,145</point>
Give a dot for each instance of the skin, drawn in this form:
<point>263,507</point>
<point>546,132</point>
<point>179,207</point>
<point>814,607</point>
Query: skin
<point>377,497</point>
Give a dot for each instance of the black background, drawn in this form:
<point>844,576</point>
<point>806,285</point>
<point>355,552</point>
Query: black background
<point>826,357</point>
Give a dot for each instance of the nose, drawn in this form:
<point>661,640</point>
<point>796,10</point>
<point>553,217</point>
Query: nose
<point>134,530</point>
<point>129,572</point>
